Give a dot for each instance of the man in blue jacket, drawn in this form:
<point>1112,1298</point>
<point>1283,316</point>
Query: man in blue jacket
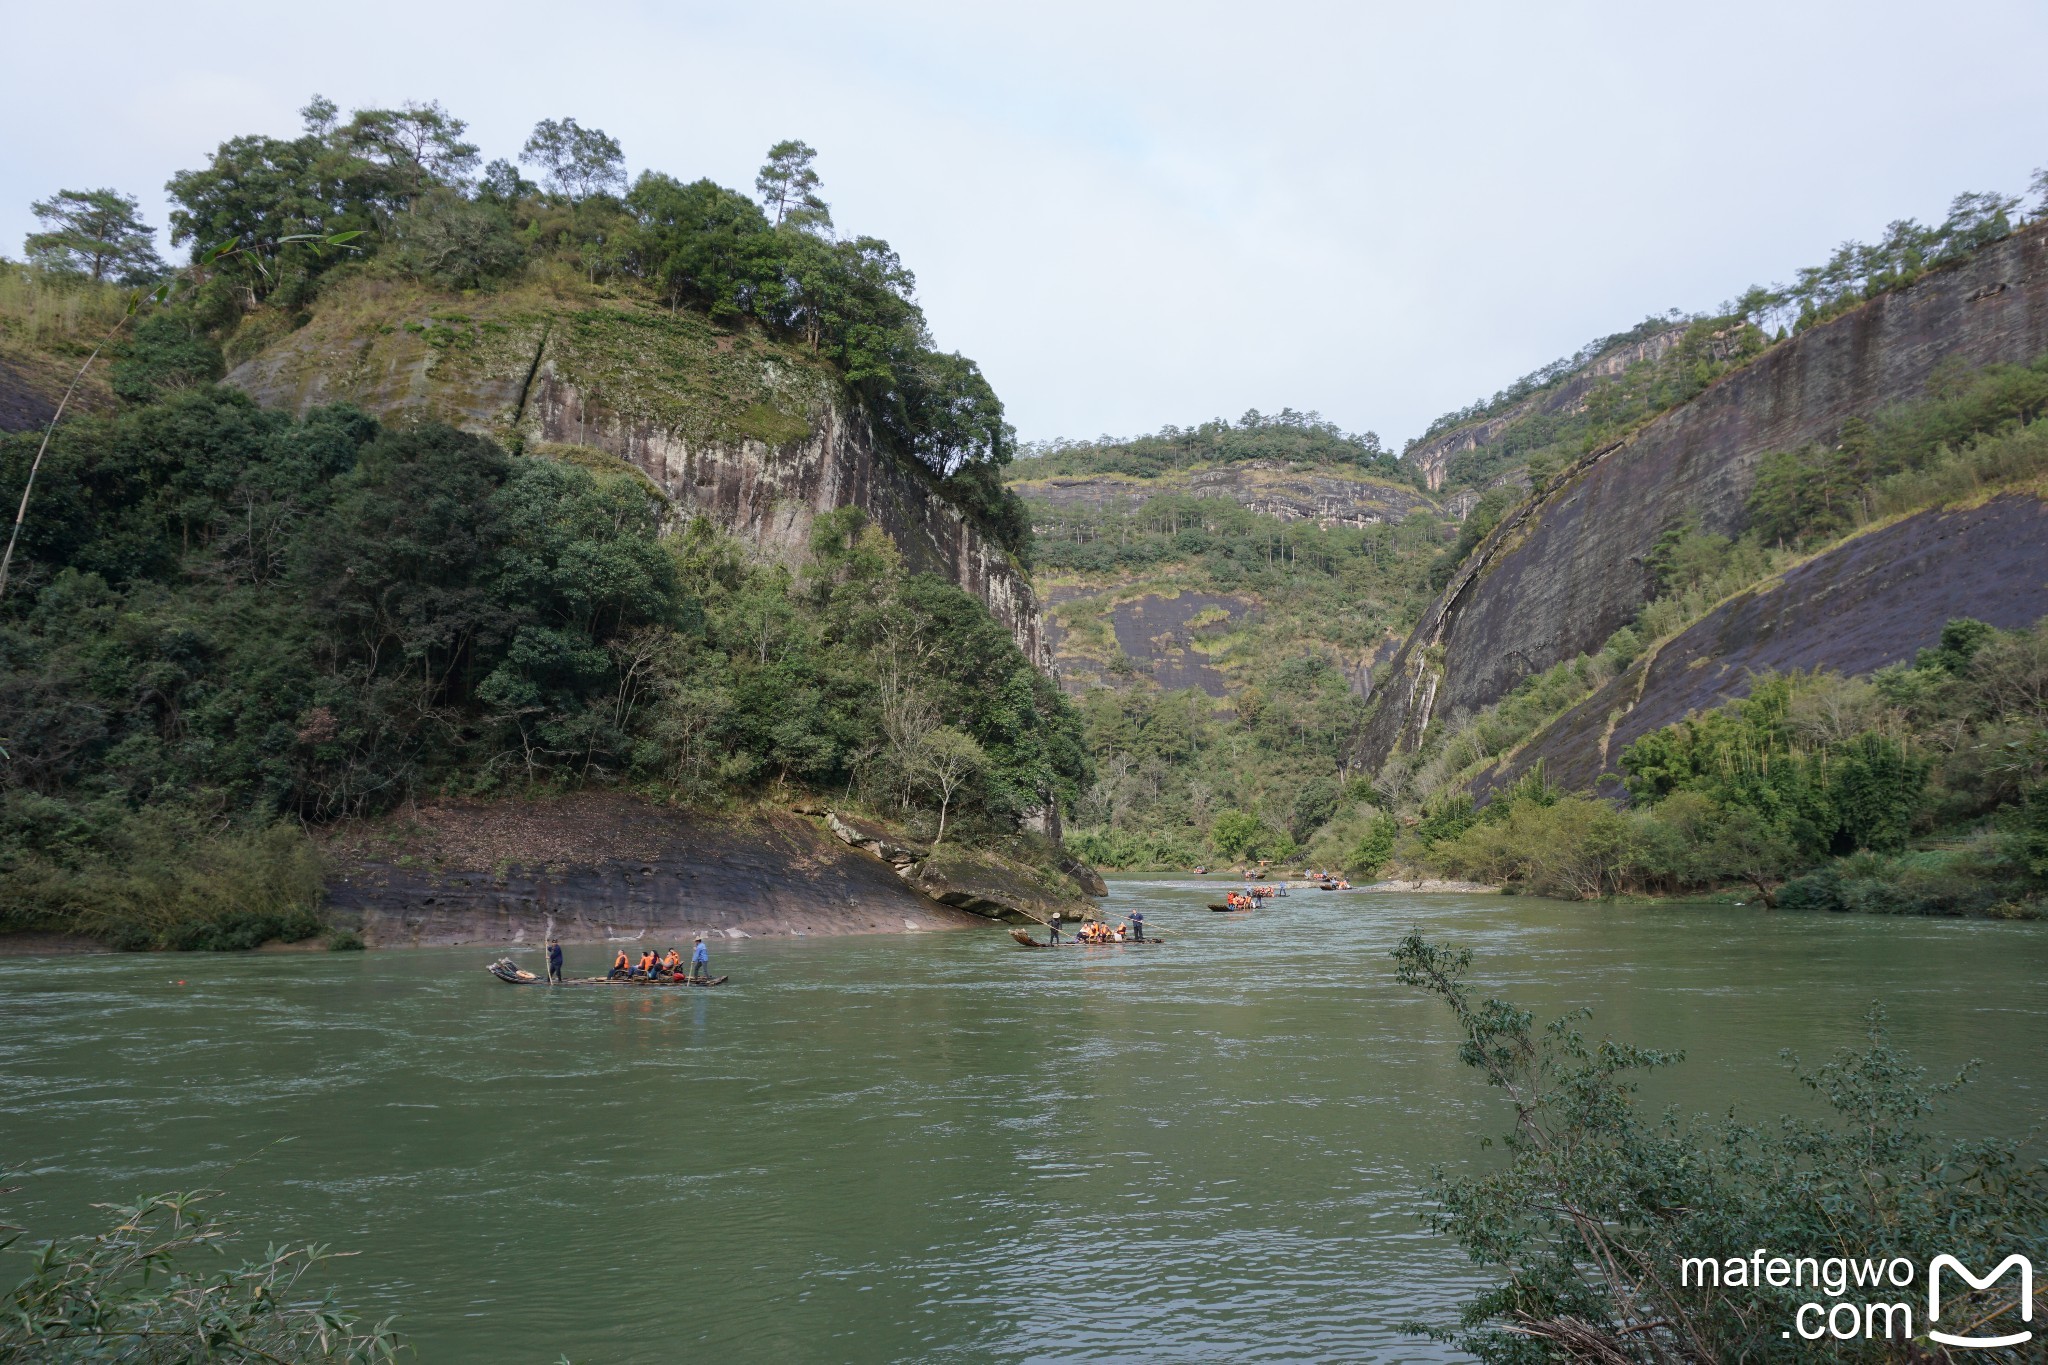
<point>554,962</point>
<point>700,961</point>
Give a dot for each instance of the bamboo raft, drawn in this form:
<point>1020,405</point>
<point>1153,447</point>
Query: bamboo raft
<point>1025,940</point>
<point>511,975</point>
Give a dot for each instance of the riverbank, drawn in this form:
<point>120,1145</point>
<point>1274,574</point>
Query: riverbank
<point>36,944</point>
<point>1434,886</point>
<point>590,866</point>
<point>597,866</point>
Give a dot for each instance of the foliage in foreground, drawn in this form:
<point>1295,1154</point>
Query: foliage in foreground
<point>129,1294</point>
<point>1597,1202</point>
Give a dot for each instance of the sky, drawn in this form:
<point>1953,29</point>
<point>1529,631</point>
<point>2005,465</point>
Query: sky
<point>1140,214</point>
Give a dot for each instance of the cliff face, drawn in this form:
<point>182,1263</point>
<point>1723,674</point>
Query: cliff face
<point>1433,456</point>
<point>602,864</point>
<point>1874,600</point>
<point>1565,571</point>
<point>1329,497</point>
<point>751,434</point>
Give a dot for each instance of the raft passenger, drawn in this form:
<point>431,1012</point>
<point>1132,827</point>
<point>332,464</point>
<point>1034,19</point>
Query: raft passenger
<point>620,967</point>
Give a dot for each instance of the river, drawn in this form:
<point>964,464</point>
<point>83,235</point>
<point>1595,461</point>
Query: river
<point>931,1147</point>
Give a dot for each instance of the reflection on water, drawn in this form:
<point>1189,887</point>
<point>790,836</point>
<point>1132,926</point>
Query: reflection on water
<point>937,1146</point>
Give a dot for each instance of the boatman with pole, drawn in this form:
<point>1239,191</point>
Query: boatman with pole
<point>1054,927</point>
<point>1137,923</point>
<point>700,961</point>
<point>554,962</point>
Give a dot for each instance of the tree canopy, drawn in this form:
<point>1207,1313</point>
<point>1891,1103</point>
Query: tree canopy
<point>407,180</point>
<point>95,233</point>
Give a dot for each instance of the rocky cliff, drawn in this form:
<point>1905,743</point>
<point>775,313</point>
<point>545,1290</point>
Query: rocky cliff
<point>1432,457</point>
<point>1874,600</point>
<point>598,865</point>
<point>1565,570</point>
<point>752,434</point>
<point>1328,496</point>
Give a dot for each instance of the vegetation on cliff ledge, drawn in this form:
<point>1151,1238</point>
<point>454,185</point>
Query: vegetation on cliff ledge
<point>1534,443</point>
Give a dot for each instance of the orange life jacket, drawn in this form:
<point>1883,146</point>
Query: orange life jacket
<point>620,963</point>
<point>647,961</point>
<point>673,960</point>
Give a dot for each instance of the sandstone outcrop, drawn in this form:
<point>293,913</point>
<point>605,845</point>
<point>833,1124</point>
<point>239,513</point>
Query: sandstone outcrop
<point>980,881</point>
<point>754,435</point>
<point>1874,600</point>
<point>1432,457</point>
<point>600,865</point>
<point>1564,571</point>
<point>1328,497</point>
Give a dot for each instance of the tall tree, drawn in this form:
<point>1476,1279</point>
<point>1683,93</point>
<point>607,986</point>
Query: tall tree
<point>789,187</point>
<point>421,143</point>
<point>96,233</point>
<point>578,162</point>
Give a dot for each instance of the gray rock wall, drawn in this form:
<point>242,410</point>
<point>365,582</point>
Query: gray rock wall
<point>602,864</point>
<point>1262,486</point>
<point>1432,457</point>
<point>1875,600</point>
<point>770,495</point>
<point>1564,572</point>
<point>675,400</point>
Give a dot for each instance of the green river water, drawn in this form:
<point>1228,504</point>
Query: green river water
<point>930,1147</point>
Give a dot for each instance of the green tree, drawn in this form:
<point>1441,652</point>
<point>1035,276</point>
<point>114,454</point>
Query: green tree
<point>945,761</point>
<point>270,202</point>
<point>95,233</point>
<point>1240,835</point>
<point>702,244</point>
<point>1376,848</point>
<point>789,186</point>
<point>1740,845</point>
<point>456,242</point>
<point>577,162</point>
<point>166,350</point>
<point>421,144</point>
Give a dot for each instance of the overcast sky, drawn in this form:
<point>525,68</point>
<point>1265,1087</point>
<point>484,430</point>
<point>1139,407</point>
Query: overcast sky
<point>1136,214</point>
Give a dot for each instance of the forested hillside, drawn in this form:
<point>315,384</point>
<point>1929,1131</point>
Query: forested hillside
<point>1216,597</point>
<point>223,625</point>
<point>1924,458</point>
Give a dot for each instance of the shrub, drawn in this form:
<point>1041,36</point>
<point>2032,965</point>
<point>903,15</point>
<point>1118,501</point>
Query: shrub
<point>1239,836</point>
<point>163,879</point>
<point>1596,1205</point>
<point>1373,851</point>
<point>1576,847</point>
<point>124,1295</point>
